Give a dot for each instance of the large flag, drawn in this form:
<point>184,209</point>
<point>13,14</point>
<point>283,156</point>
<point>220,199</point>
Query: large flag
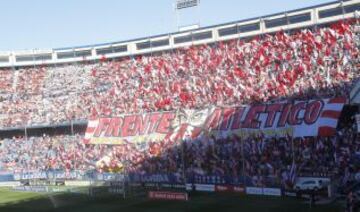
<point>297,119</point>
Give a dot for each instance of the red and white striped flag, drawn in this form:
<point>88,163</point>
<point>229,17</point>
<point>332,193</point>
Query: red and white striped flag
<point>330,116</point>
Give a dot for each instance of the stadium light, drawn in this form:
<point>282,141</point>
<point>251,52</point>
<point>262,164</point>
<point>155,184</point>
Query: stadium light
<point>182,4</point>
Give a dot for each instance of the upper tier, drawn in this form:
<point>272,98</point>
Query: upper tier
<point>316,15</point>
<point>318,62</point>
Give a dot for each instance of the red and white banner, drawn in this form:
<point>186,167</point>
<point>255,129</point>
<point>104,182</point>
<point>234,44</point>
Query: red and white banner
<point>223,188</point>
<point>229,188</point>
<point>168,195</point>
<point>299,118</point>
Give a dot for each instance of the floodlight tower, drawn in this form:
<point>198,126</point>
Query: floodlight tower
<point>180,6</point>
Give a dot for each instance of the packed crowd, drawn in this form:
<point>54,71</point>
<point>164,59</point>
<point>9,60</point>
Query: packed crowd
<point>254,159</point>
<point>68,152</point>
<point>261,161</point>
<point>303,64</point>
<point>306,63</point>
<point>43,153</point>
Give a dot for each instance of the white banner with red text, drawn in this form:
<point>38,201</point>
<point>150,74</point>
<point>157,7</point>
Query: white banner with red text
<point>296,119</point>
<point>163,195</point>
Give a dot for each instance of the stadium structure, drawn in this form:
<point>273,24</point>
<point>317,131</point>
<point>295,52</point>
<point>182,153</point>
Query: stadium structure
<point>263,106</point>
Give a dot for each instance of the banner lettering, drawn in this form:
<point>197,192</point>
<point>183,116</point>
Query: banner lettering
<point>297,119</point>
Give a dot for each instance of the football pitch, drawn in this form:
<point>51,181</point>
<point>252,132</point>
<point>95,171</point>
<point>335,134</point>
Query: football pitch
<point>14,201</point>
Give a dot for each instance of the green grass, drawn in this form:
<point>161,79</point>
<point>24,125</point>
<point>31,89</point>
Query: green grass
<point>24,201</point>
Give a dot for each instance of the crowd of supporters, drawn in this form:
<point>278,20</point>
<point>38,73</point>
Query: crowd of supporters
<point>302,64</point>
<point>305,63</point>
<point>264,161</point>
<point>254,159</point>
<point>45,153</point>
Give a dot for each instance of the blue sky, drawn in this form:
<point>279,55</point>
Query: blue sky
<point>45,24</point>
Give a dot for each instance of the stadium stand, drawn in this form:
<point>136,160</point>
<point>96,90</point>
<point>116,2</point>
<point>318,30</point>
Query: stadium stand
<point>301,64</point>
<point>256,160</point>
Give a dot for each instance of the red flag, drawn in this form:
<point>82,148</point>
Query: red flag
<point>147,68</point>
<point>93,73</point>
<point>102,58</point>
<point>239,73</point>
